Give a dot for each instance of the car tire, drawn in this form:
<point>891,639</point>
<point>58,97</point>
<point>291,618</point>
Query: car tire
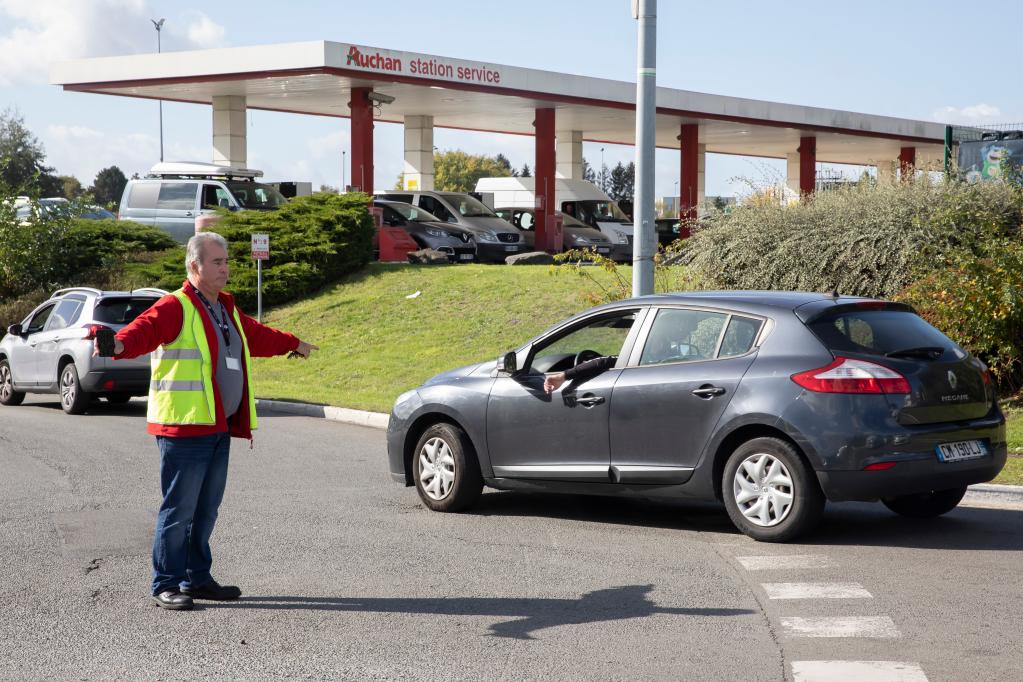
<point>926,505</point>
<point>117,398</point>
<point>770,492</point>
<point>73,400</point>
<point>8,396</point>
<point>445,469</point>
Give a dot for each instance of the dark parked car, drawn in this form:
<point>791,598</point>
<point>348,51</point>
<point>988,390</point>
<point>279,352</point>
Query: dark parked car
<point>496,239</point>
<point>772,402</point>
<point>429,231</point>
<point>577,234</point>
<point>669,230</point>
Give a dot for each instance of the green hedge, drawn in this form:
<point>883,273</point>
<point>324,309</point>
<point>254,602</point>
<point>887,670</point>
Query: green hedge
<point>977,299</point>
<point>314,240</point>
<point>865,240</point>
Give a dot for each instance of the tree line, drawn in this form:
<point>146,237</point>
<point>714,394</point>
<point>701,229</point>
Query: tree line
<point>23,169</point>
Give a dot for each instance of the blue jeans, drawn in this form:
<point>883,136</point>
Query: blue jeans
<point>193,474</point>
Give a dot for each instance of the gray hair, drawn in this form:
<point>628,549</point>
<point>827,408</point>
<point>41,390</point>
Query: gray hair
<point>193,252</point>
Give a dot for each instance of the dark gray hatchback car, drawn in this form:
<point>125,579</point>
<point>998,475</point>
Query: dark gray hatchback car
<point>772,402</point>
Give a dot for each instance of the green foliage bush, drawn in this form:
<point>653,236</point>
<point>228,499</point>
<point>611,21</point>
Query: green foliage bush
<point>314,240</point>
<point>863,240</point>
<point>977,299</point>
<point>64,251</point>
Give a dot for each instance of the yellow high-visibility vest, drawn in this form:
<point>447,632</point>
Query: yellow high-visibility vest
<point>181,387</point>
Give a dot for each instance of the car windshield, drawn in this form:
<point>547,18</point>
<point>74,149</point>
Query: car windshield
<point>600,211</point>
<point>469,206</point>
<point>412,213</point>
<point>253,195</point>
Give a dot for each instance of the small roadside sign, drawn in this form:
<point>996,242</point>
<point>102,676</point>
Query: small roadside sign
<point>261,246</point>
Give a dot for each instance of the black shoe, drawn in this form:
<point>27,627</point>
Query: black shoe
<point>213,590</point>
<point>173,600</point>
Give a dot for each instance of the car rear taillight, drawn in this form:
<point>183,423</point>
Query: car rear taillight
<point>91,330</point>
<point>846,375</point>
<point>879,466</point>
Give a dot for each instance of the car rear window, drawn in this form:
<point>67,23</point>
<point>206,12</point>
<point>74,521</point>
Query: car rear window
<point>121,310</point>
<point>878,332</point>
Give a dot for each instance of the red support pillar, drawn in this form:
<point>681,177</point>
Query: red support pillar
<point>907,162</point>
<point>362,140</point>
<point>688,186</point>
<point>544,164</point>
<point>807,165</point>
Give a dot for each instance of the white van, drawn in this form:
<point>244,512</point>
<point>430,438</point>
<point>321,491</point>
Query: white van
<point>578,198</point>
<point>174,194</point>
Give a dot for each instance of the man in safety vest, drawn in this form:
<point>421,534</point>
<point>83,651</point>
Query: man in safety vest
<point>199,397</point>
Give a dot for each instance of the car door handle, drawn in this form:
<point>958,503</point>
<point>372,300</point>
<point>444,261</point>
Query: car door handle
<point>188,214</point>
<point>708,391</point>
<point>589,400</point>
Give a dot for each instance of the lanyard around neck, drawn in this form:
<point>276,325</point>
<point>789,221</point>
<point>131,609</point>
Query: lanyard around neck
<point>225,331</point>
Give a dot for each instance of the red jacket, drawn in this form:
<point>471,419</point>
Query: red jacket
<point>162,324</point>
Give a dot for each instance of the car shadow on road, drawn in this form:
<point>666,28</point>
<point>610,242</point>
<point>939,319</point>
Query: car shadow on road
<point>847,523</point>
<point>134,408</point>
<point>692,515</point>
<point>527,615</point>
<point>964,528</point>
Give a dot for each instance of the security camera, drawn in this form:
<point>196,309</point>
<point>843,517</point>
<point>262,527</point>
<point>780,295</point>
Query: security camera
<point>379,98</point>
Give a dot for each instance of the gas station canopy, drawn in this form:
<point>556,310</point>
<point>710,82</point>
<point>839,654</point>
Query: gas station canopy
<point>318,78</point>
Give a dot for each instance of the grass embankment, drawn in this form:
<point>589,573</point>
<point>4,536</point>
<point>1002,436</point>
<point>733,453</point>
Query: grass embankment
<point>376,343</point>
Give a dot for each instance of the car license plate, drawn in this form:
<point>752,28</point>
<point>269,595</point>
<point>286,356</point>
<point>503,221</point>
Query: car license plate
<point>961,451</point>
<point>603,249</point>
<point>511,248</point>
<point>465,256</point>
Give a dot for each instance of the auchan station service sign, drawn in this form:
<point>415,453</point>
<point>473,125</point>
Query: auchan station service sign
<point>387,61</point>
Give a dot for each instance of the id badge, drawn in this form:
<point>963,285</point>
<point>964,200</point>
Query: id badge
<point>232,363</point>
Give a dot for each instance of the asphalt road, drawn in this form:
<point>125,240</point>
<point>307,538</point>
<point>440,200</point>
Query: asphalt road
<point>347,576</point>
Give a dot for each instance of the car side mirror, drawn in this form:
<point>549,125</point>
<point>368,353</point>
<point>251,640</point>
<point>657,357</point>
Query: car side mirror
<point>14,330</point>
<point>508,363</point>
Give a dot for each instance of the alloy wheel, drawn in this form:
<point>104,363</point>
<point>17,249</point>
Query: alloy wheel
<point>763,490</point>
<point>6,383</point>
<point>436,468</point>
<point>68,388</point>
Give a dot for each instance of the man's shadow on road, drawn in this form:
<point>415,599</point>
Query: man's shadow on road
<point>528,615</point>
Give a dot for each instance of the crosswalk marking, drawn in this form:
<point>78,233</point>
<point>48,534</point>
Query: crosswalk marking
<point>840,626</point>
<point>815,591</point>
<point>861,671</point>
<point>784,561</point>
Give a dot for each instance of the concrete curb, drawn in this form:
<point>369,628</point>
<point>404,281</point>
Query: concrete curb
<point>983,492</point>
<point>375,420</point>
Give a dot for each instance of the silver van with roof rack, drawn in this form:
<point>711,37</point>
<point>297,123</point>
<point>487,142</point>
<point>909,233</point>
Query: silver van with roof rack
<point>174,194</point>
<point>50,351</point>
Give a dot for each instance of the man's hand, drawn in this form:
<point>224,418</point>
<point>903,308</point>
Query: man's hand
<point>306,349</point>
<point>118,347</point>
<point>553,381</point>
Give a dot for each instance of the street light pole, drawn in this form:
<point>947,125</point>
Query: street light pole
<point>602,184</point>
<point>159,48</point>
<point>645,11</point>
<point>343,162</point>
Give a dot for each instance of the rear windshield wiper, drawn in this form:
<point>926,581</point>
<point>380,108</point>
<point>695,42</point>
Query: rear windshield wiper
<point>933,352</point>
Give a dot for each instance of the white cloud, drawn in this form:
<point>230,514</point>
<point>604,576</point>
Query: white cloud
<point>974,114</point>
<point>83,152</point>
<point>203,31</point>
<point>38,33</point>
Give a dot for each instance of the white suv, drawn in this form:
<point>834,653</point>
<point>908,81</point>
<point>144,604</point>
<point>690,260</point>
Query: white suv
<point>50,351</point>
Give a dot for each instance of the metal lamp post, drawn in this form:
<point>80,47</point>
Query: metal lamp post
<point>643,246</point>
<point>158,24</point>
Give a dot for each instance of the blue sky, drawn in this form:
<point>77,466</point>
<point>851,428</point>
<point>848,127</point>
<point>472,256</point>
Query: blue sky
<point>933,60</point>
